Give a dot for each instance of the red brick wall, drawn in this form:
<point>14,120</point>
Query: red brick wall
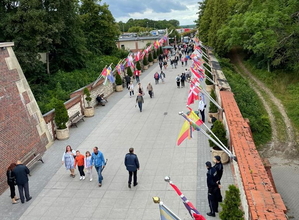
<point>18,132</point>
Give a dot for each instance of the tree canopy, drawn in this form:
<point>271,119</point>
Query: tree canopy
<point>267,30</point>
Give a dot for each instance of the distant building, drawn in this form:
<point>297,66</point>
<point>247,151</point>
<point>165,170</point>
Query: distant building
<point>135,44</point>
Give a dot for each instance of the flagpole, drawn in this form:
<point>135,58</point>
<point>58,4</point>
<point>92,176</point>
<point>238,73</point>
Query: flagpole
<point>99,77</point>
<point>158,201</point>
<point>210,97</point>
<point>196,127</point>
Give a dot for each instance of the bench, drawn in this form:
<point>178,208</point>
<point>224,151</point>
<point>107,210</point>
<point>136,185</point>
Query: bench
<point>31,158</point>
<point>74,119</point>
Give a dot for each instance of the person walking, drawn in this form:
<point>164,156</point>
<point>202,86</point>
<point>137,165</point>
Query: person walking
<point>79,161</point>
<point>156,77</point>
<point>201,108</point>
<point>150,90</point>
<point>11,181</point>
<point>178,80</point>
<point>21,172</point>
<point>183,79</point>
<point>137,74</point>
<point>139,101</point>
<point>212,187</point>
<point>132,165</point>
<point>68,159</point>
<point>88,164</point>
<point>98,160</point>
<point>131,89</point>
<point>128,80</point>
<point>162,76</point>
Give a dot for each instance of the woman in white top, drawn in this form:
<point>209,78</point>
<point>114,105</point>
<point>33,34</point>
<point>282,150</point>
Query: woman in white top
<point>131,89</point>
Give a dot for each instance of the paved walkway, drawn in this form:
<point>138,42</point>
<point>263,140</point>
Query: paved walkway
<point>114,129</point>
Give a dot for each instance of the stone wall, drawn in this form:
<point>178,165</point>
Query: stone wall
<point>22,127</point>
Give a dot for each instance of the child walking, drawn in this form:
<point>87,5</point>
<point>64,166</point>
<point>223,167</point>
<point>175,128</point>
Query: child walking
<point>88,164</point>
<point>79,161</point>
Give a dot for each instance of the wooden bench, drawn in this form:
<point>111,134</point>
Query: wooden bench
<point>74,119</point>
<point>31,158</point>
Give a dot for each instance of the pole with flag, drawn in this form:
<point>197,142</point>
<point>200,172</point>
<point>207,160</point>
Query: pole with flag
<point>194,213</point>
<point>165,212</point>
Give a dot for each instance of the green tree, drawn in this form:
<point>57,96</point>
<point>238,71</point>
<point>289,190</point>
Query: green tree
<point>61,116</point>
<point>231,205</point>
<point>99,27</point>
<point>220,133</point>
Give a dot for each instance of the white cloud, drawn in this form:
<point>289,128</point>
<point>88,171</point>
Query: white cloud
<point>184,12</point>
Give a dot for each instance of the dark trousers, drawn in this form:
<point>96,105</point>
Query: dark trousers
<point>81,170</point>
<point>140,106</point>
<point>12,190</point>
<point>202,112</point>
<point>131,92</point>
<point>128,83</point>
<point>134,173</point>
<point>24,188</point>
<point>213,203</point>
<point>150,93</point>
<point>178,84</point>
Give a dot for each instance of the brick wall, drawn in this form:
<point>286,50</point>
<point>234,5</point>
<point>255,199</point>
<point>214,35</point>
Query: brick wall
<point>22,127</point>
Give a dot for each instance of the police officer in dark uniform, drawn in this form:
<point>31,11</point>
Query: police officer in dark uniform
<point>219,169</point>
<point>212,188</point>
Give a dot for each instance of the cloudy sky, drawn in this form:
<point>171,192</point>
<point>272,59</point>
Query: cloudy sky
<point>183,11</point>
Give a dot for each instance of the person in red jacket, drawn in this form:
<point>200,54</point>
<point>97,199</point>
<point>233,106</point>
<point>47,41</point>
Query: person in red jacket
<point>79,161</point>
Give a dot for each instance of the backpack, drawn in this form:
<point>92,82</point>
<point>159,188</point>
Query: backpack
<point>156,76</point>
<point>139,98</point>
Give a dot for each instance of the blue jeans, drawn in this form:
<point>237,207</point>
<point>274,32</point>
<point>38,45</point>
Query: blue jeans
<point>99,171</point>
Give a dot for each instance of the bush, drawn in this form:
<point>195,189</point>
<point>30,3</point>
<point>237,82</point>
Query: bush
<point>150,57</point>
<point>213,108</point>
<point>138,66</point>
<point>155,54</point>
<point>220,133</point>
<point>231,205</point>
<point>87,96</point>
<point>145,61</point>
<point>118,80</point>
<point>61,116</point>
<point>160,50</point>
<point>129,71</point>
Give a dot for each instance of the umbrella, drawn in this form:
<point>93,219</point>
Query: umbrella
<point>167,47</point>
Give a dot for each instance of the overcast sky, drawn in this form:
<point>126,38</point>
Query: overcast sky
<point>183,11</point>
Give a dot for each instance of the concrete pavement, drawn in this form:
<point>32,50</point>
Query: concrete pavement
<point>114,129</point>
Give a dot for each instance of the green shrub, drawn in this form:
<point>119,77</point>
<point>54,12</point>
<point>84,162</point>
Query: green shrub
<point>118,79</point>
<point>150,57</point>
<point>213,108</point>
<point>87,96</point>
<point>231,205</point>
<point>138,66</point>
<point>220,133</point>
<point>61,116</point>
<point>129,71</point>
<point>155,54</point>
<point>145,61</point>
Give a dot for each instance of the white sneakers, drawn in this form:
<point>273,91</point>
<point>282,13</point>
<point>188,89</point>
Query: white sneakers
<point>82,177</point>
<point>90,179</point>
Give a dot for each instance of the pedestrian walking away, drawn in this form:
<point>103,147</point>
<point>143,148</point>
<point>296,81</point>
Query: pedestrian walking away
<point>98,161</point>
<point>139,101</point>
<point>11,181</point>
<point>128,80</point>
<point>88,164</point>
<point>68,159</point>
<point>79,161</point>
<point>150,90</point>
<point>156,77</point>
<point>132,165</point>
<point>21,172</point>
<point>162,76</point>
<point>183,78</point>
<point>212,188</point>
<point>178,80</point>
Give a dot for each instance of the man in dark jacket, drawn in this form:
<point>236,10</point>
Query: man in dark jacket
<point>212,188</point>
<point>21,173</point>
<point>132,165</point>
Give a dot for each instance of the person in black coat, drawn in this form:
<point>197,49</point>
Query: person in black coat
<point>21,173</point>
<point>212,188</point>
<point>132,165</point>
<point>11,182</point>
<point>219,171</point>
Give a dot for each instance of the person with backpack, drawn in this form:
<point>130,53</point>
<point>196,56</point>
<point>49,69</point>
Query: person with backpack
<point>156,77</point>
<point>139,101</point>
<point>183,79</point>
<point>150,90</point>
<point>162,76</point>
